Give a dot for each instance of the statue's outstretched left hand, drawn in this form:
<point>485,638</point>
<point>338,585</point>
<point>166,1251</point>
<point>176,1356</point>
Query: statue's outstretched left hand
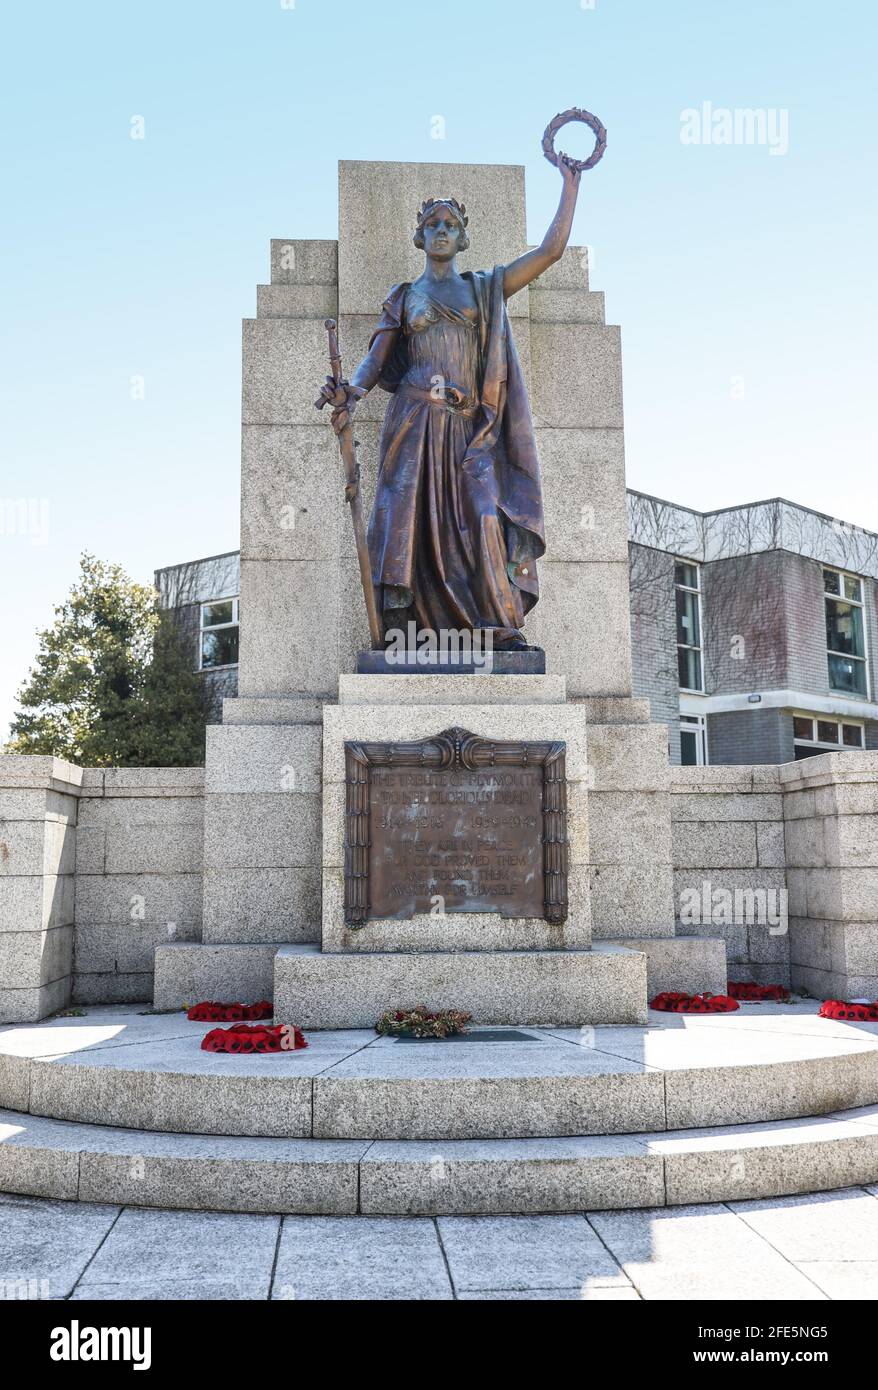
<point>570,176</point>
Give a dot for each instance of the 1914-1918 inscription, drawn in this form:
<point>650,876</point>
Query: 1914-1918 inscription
<point>456,823</point>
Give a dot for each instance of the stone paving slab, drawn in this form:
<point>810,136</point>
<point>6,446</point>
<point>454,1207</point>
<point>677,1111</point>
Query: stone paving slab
<point>150,1247</point>
<point>51,1039</point>
<point>89,1252</point>
<point>114,1025</point>
<point>843,1279</point>
<point>546,1058</point>
<point>699,1252</point>
<point>51,1241</point>
<point>670,1236</point>
<point>531,1252</point>
<point>769,1282</point>
<point>668,1049</point>
<point>664,1043</point>
<point>866,1115</point>
<point>360,1258</point>
<point>167,1290</point>
<point>841,1225</point>
<point>789,1019</point>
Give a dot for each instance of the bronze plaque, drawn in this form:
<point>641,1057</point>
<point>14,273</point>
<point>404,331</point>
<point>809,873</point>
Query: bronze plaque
<point>455,823</point>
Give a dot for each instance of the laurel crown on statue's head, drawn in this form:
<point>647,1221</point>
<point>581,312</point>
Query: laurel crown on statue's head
<point>428,206</point>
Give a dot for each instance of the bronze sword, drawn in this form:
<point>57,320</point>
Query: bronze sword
<point>348,447</point>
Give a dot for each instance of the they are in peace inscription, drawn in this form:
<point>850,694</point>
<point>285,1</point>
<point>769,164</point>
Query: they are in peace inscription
<point>455,823</point>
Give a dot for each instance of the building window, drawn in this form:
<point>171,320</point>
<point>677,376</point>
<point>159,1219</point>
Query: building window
<point>845,634</point>
<point>812,735</point>
<point>687,584</point>
<point>693,740</point>
<point>218,637</point>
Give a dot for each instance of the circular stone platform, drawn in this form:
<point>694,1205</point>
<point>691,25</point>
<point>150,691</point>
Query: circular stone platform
<point>120,1105</point>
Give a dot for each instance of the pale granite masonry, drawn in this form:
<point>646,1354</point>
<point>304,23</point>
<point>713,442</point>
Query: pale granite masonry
<point>119,853</point>
<point>728,848</point>
<point>417,716</point>
<point>139,855</point>
<point>38,805</point>
<point>345,990</point>
<point>831,824</point>
<point>631,875</point>
<point>262,833</point>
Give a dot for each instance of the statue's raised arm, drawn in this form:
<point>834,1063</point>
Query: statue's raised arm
<point>551,249</point>
<point>527,267</point>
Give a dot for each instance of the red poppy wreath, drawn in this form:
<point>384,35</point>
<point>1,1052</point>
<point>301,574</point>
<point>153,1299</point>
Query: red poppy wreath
<point>242,1038</point>
<point>752,993</point>
<point>210,1011</point>
<point>673,1003</point>
<point>845,1009</point>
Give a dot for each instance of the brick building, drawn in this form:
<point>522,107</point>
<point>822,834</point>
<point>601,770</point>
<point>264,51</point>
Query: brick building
<point>754,629</point>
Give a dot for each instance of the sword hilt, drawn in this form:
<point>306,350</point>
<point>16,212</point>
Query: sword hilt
<point>334,357</point>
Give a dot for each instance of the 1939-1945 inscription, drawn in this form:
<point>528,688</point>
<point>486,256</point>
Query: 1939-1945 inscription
<point>456,821</point>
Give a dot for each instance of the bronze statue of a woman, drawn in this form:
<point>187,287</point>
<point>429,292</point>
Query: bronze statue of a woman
<point>457,525</point>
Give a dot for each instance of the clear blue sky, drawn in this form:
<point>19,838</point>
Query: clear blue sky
<point>744,281</point>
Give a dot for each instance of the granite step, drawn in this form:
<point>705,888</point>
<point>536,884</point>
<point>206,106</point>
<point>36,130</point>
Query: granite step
<point>321,989</point>
<point>148,1072</point>
<point>691,964</point>
<point>188,971</point>
<point>332,990</point>
<point>96,1163</point>
<point>325,990</point>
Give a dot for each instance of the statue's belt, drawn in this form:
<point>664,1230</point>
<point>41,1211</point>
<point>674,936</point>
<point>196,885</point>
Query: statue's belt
<point>449,398</point>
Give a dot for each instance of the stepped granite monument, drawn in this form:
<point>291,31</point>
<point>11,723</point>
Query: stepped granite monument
<point>484,820</point>
<point>380,834</point>
<point>488,823</point>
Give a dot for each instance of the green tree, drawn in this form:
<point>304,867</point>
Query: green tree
<point>111,686</point>
<point>171,711</point>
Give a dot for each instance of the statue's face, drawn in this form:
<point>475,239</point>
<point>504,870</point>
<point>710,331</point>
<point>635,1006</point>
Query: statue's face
<point>442,233</point>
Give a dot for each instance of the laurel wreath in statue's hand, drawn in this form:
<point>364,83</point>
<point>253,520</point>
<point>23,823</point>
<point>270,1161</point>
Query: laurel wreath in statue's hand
<point>563,118</point>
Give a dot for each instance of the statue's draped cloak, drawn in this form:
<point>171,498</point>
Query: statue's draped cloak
<point>457,525</point>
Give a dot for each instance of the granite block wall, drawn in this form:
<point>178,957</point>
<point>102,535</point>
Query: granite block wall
<point>98,867</point>
<point>729,865</point>
<point>262,834</point>
<point>139,854</point>
<point>831,818</point>
<point>38,809</point>
<point>631,856</point>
